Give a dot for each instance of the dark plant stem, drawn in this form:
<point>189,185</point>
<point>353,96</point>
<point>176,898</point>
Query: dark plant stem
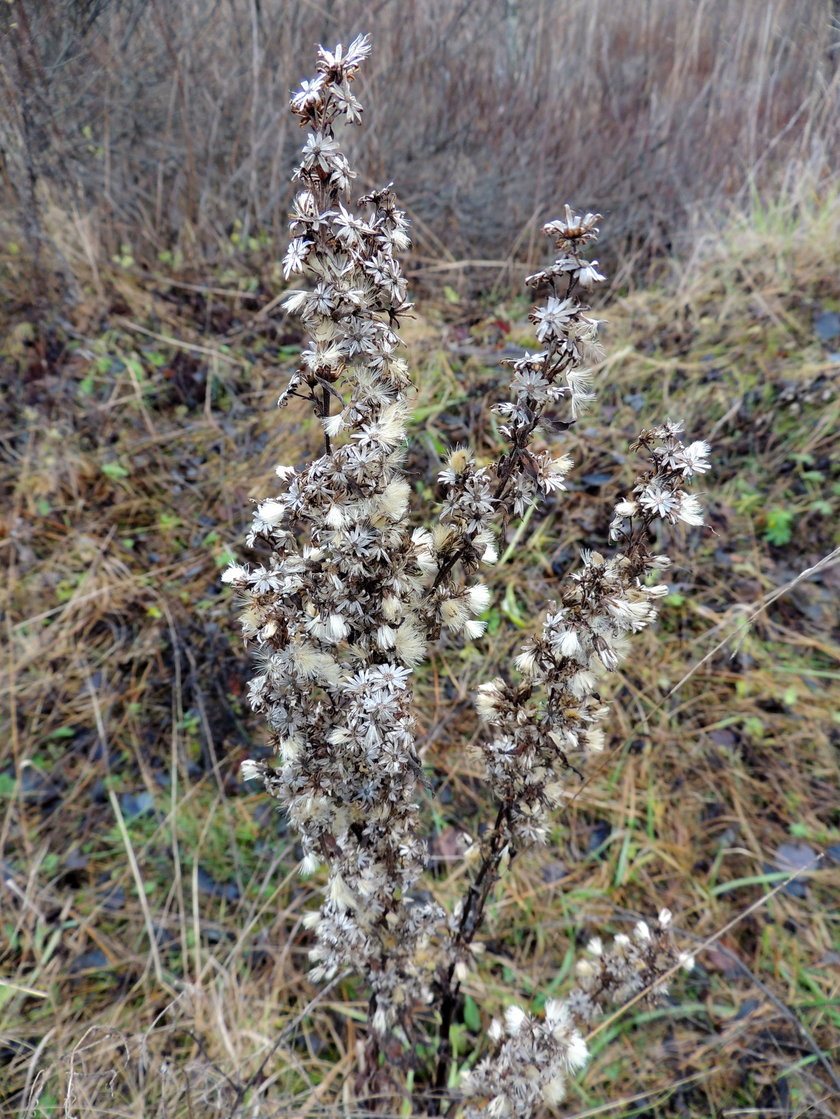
<point>488,873</point>
<point>325,411</point>
<point>471,917</point>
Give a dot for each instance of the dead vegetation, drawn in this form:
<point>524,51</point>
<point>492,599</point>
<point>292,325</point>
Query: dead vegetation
<point>152,952</point>
<point>162,127</point>
<point>154,959</point>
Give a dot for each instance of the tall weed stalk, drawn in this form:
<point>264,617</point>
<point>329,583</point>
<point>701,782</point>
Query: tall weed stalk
<point>348,596</point>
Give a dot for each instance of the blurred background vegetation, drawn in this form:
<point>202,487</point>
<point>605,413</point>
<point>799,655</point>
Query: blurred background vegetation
<point>161,126</point>
<point>152,956</point>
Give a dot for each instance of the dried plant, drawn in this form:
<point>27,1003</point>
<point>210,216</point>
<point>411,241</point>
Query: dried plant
<point>350,596</point>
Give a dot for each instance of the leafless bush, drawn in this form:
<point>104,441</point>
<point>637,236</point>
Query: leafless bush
<point>168,119</point>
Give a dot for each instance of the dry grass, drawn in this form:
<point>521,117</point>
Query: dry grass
<point>153,959</point>
<point>165,124</point>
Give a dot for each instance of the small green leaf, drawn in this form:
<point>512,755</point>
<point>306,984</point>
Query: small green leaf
<point>779,530</point>
<point>512,609</point>
<point>754,727</point>
<point>136,366</point>
<point>790,696</point>
<point>472,1015</point>
<point>494,620</point>
<point>113,470</point>
<point>450,294</point>
<point>65,590</point>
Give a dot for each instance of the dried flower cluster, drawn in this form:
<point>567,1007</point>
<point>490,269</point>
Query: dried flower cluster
<point>336,608</point>
<point>555,713</point>
<point>535,1056</point>
<point>479,497</point>
<point>530,1066</point>
<point>633,966</point>
<point>347,596</point>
